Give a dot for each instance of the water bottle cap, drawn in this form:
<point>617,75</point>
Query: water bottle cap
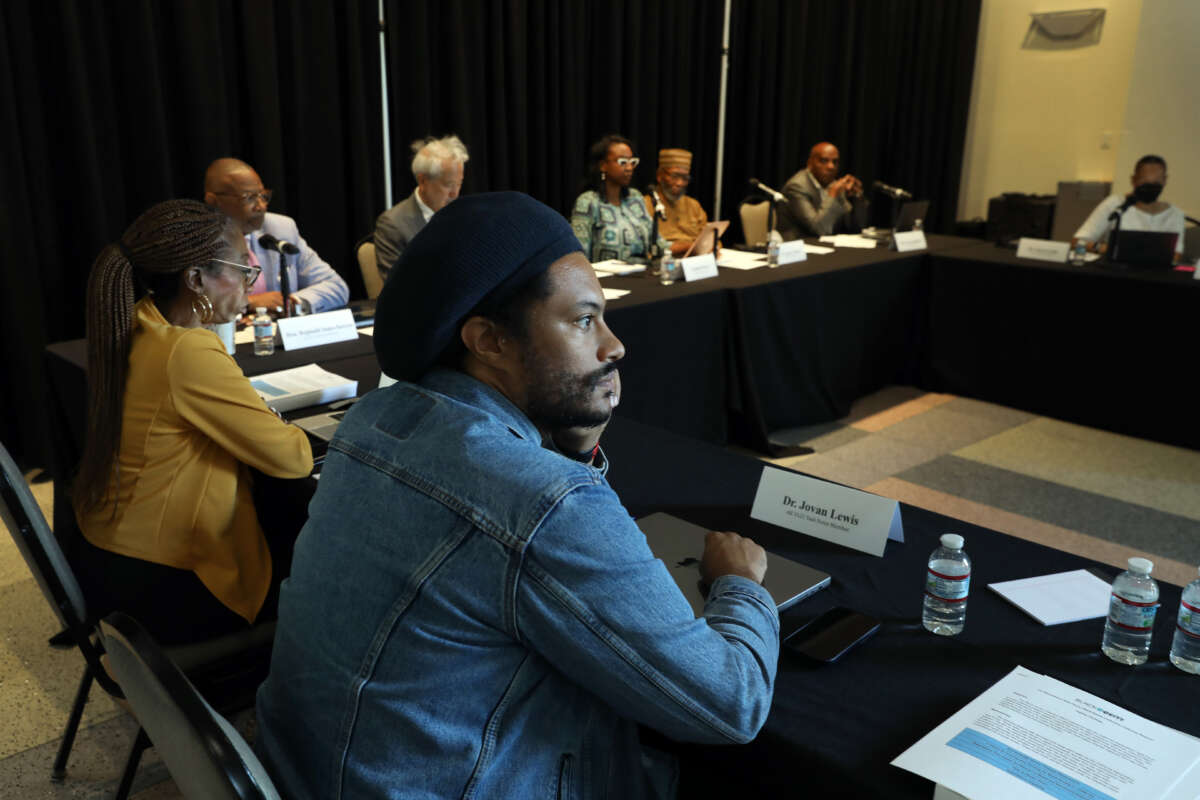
<point>1142,566</point>
<point>260,310</point>
<point>952,540</point>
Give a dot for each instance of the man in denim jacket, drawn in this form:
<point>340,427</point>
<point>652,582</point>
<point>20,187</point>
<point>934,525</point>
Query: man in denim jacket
<point>471,612</point>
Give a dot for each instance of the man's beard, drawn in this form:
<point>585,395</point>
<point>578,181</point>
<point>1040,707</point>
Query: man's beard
<point>558,399</point>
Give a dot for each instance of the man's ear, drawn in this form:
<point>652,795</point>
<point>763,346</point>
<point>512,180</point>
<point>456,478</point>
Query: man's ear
<point>210,199</point>
<point>488,342</point>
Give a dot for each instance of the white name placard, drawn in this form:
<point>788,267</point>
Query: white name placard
<point>827,511</point>
<point>696,268</point>
<point>1043,250</point>
<point>314,329</point>
<point>793,251</point>
<point>907,241</point>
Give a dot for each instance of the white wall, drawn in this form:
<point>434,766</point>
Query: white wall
<point>1040,116</point>
<point>1162,114</point>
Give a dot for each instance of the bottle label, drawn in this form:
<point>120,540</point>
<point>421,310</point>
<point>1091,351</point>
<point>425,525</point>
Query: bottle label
<point>263,330</point>
<point>950,588</point>
<point>1189,620</point>
<point>1131,615</point>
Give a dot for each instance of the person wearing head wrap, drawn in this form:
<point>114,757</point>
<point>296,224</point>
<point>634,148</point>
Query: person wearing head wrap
<point>681,218</point>
<point>471,611</point>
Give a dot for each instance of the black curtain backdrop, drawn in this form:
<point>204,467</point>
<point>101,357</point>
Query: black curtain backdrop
<point>528,85</point>
<point>107,108</point>
<point>889,83</point>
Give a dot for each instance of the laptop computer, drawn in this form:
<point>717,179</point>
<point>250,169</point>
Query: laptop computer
<point>909,214</point>
<point>322,427</point>
<point>1143,249</point>
<point>680,544</point>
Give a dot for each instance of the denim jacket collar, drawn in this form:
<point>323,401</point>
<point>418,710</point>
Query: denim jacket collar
<point>461,386</point>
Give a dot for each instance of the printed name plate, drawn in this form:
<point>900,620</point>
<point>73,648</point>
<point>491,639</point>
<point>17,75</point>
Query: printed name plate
<point>858,520</point>
<point>1043,250</point>
<point>791,252</point>
<point>697,268</point>
<point>907,241</point>
<point>314,329</point>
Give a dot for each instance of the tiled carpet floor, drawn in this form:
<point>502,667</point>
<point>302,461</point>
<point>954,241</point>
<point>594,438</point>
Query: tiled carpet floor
<point>1089,492</point>
<point>1086,491</point>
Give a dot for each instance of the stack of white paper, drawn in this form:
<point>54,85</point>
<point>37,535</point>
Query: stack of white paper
<point>849,240</point>
<point>1061,597</point>
<point>615,267</point>
<point>301,387</point>
<point>740,259</point>
<point>614,294</point>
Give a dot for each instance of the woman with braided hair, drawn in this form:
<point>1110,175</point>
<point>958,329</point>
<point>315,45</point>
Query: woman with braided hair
<point>163,496</point>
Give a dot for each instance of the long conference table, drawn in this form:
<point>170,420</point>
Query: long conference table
<point>833,729</point>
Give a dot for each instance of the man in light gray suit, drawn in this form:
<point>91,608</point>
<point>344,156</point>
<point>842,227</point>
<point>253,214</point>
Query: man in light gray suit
<point>817,204</point>
<point>438,167</point>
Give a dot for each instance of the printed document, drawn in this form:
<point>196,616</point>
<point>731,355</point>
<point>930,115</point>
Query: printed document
<point>301,387</point>
<point>1030,737</point>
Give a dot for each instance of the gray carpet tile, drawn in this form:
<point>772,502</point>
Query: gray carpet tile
<point>822,438</point>
<point>886,398</point>
<point>1003,415</point>
<point>1103,517</point>
<point>945,430</point>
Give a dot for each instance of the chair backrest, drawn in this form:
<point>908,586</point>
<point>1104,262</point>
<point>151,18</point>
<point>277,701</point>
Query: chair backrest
<point>205,755</point>
<point>1075,201</point>
<point>372,280</point>
<point>754,221</point>
<point>1191,240</point>
<point>39,547</point>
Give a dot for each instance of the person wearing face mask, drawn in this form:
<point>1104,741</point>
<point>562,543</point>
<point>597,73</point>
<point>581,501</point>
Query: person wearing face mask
<point>610,217</point>
<point>1140,210</point>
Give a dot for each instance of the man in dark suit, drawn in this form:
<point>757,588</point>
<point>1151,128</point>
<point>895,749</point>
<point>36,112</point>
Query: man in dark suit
<point>438,167</point>
<point>818,202</point>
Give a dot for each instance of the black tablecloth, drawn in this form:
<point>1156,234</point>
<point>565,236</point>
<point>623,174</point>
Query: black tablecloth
<point>1089,344</point>
<point>834,728</point>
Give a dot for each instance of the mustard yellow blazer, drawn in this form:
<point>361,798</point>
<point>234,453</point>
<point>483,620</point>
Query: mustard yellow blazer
<point>191,423</point>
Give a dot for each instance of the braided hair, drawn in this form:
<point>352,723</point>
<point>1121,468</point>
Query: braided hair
<point>155,250</point>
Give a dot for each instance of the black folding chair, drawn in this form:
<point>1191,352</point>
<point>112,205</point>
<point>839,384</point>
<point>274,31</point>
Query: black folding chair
<point>228,668</point>
<point>205,755</point>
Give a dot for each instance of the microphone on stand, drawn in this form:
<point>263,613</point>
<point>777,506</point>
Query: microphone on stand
<point>892,191</point>
<point>1117,212</point>
<point>767,190</point>
<point>284,249</point>
<point>659,209</point>
<point>281,246</point>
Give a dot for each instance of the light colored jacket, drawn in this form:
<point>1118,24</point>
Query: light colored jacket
<point>310,277</point>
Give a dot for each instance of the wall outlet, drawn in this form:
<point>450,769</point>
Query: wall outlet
<point>1106,140</point>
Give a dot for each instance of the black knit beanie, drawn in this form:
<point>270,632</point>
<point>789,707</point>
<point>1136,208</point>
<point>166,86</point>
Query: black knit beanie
<point>478,250</point>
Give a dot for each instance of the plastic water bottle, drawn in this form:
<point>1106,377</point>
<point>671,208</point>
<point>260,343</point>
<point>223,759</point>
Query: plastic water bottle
<point>947,583</point>
<point>666,274</point>
<point>264,333</point>
<point>1185,647</point>
<point>1131,614</point>
<point>1079,254</point>
<point>772,252</point>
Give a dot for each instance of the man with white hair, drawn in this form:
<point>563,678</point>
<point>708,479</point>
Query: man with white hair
<point>438,167</point>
